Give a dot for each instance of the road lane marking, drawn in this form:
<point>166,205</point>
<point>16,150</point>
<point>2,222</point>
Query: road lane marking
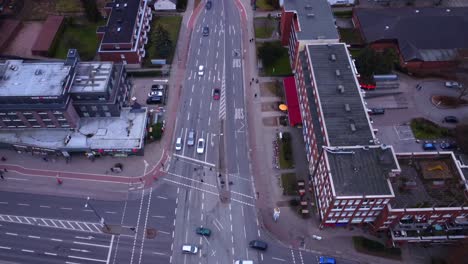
<point>164,232</point>
<point>66,208</point>
<point>3,202</point>
<point>279,259</point>
<point>110,249</point>
<point>28,250</point>
<point>56,239</point>
<point>44,206</point>
<point>34,237</point>
<point>110,212</point>
<point>50,254</point>
<point>162,197</point>
<point>11,234</point>
<point>137,225</point>
<point>5,247</point>
<point>79,250</point>
<point>159,253</point>
<point>195,160</point>
<point>89,244</point>
<point>87,238</point>
<point>23,204</point>
<point>90,259</point>
<point>158,216</point>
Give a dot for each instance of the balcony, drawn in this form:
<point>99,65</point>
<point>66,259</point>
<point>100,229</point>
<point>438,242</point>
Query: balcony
<point>429,233</point>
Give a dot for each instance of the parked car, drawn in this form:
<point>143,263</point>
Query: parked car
<point>178,144</point>
<point>206,31</point>
<point>155,93</point>
<point>201,146</point>
<point>189,249</point>
<point>191,138</point>
<point>448,146</point>
<point>216,93</point>
<point>243,262</point>
<point>451,119</point>
<point>200,70</point>
<point>429,146</point>
<point>258,244</point>
<point>327,260</point>
<point>157,87</point>
<point>203,231</point>
<point>452,84</point>
<point>208,5</point>
<point>377,111</point>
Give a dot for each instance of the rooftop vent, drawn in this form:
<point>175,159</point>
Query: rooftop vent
<point>125,5</point>
<point>332,57</point>
<point>118,29</point>
<point>38,72</point>
<point>416,11</point>
<point>338,73</point>
<point>347,108</point>
<point>14,67</point>
<point>117,5</point>
<point>353,127</point>
<point>387,27</point>
<point>447,10</point>
<point>340,88</point>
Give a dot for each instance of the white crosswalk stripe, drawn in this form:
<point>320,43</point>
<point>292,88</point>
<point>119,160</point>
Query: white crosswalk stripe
<point>54,223</point>
<point>222,100</point>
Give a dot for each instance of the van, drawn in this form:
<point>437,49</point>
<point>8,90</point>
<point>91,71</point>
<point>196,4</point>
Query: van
<point>178,143</point>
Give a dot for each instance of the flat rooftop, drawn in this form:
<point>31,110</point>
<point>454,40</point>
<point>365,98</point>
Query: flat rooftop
<point>361,170</point>
<point>345,117</point>
<point>315,19</point>
<point>20,78</point>
<point>124,132</point>
<point>122,20</point>
<point>91,77</point>
<point>429,181</point>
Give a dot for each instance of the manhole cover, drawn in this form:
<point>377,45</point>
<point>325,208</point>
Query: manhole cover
<point>151,233</point>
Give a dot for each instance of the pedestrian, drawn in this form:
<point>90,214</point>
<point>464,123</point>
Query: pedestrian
<point>1,176</point>
<point>253,79</point>
<point>258,195</point>
<point>3,159</point>
<point>141,179</point>
<point>255,95</point>
<point>162,165</point>
<point>5,170</point>
<point>256,81</point>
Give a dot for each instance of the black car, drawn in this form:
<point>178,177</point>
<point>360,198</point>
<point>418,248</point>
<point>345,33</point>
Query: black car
<point>206,31</point>
<point>208,5</point>
<point>451,119</point>
<point>377,111</point>
<point>154,100</point>
<point>258,244</point>
<point>448,146</point>
<point>157,87</point>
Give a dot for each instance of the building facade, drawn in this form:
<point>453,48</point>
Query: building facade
<point>123,38</point>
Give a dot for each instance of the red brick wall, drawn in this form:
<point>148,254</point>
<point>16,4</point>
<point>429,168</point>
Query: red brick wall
<point>285,26</point>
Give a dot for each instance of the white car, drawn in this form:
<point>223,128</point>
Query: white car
<point>178,144</point>
<point>200,146</point>
<point>200,70</point>
<point>155,93</point>
<point>453,84</point>
<point>189,249</point>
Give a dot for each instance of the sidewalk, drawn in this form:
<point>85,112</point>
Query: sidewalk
<point>134,168</point>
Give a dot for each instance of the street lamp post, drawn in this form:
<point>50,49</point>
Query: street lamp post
<point>101,219</point>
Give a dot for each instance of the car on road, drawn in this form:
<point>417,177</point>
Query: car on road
<point>429,146</point>
<point>206,31</point>
<point>200,70</point>
<point>200,146</point>
<point>154,100</point>
<point>203,231</point>
<point>258,244</point>
<point>448,146</point>
<point>208,5</point>
<point>178,144</point>
<point>452,84</point>
<point>377,111</point>
<point>451,119</point>
<point>189,249</point>
<point>216,93</point>
<point>155,93</point>
<point>243,262</point>
<point>191,138</point>
<point>327,260</point>
<point>157,87</point>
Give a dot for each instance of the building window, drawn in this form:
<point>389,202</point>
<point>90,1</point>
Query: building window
<point>83,108</point>
<point>42,113</point>
<point>94,108</point>
<point>122,56</point>
<point>86,114</point>
<point>105,108</point>
<point>447,215</point>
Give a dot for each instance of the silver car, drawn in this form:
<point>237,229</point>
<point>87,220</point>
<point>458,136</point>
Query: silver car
<point>189,249</point>
<point>191,138</point>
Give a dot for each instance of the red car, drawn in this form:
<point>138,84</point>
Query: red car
<point>216,93</point>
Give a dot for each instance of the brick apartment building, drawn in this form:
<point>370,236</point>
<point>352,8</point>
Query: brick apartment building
<point>356,179</point>
<point>71,104</point>
<point>124,36</point>
<point>405,30</point>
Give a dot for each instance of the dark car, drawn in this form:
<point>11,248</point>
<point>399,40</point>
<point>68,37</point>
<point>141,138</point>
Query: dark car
<point>154,100</point>
<point>216,93</point>
<point>206,31</point>
<point>258,244</point>
<point>157,87</point>
<point>203,231</point>
<point>326,260</point>
<point>208,5</point>
<point>451,119</point>
<point>377,111</point>
<point>429,146</point>
<point>448,146</point>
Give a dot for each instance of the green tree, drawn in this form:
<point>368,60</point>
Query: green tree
<point>370,62</point>
<point>181,5</point>
<point>156,132</point>
<point>162,42</point>
<point>91,10</point>
<point>269,52</point>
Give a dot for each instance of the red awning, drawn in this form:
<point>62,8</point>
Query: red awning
<point>294,113</point>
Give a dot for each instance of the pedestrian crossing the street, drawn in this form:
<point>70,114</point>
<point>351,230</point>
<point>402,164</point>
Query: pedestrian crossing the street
<point>54,223</point>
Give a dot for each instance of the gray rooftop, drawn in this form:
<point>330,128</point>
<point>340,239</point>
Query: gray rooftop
<point>429,181</point>
<point>361,170</point>
<point>121,22</point>
<point>315,18</point>
<point>345,118</point>
<point>124,132</point>
<point>91,77</point>
<point>32,78</point>
<point>429,34</point>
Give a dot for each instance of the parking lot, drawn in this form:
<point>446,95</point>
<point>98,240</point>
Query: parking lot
<point>407,102</point>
